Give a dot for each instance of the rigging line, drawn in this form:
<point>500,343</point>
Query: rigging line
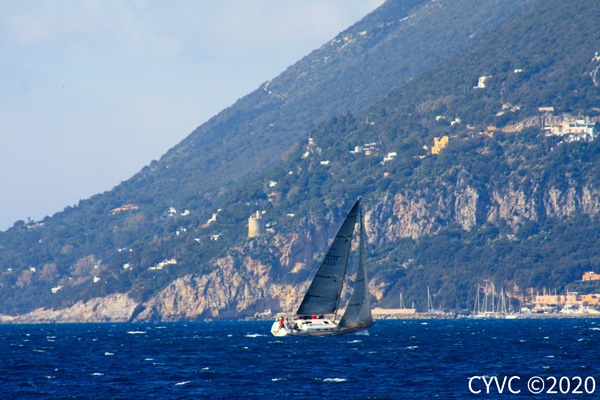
<point>344,277</point>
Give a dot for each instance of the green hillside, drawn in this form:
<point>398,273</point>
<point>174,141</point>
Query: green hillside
<point>536,60</point>
<point>501,203</point>
<point>531,248</point>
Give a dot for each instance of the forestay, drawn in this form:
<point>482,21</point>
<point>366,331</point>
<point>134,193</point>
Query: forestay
<point>358,310</point>
<point>324,292</point>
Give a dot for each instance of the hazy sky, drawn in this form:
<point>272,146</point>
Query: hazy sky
<point>93,90</point>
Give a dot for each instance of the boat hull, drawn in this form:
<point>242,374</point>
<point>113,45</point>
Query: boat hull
<point>313,328</point>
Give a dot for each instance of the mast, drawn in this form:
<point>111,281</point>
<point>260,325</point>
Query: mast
<point>429,302</point>
<point>323,294</point>
<point>358,310</point>
<point>476,309</point>
<point>339,295</point>
<point>485,299</point>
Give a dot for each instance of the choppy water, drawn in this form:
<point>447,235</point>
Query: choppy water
<point>398,359</point>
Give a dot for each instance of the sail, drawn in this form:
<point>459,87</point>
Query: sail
<point>358,310</point>
<point>323,294</point>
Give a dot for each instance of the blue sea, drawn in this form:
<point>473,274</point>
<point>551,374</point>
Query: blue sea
<point>410,359</point>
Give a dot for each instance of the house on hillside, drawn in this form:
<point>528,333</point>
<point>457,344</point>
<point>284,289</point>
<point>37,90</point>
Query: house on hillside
<point>572,129</point>
<point>439,144</point>
<point>590,276</point>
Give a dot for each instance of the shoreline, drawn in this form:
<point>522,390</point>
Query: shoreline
<point>462,316</point>
<point>381,315</point>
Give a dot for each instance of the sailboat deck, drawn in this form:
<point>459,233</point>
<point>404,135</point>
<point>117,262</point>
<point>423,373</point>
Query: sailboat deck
<point>315,325</point>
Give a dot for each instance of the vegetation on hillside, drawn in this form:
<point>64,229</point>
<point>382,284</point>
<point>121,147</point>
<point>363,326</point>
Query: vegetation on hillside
<point>182,212</point>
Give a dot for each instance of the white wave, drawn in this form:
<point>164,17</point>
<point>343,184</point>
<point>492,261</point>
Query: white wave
<point>253,335</point>
<point>39,351</point>
<point>335,380</point>
<point>412,347</point>
<point>355,341</point>
<point>182,383</point>
<point>137,332</point>
<point>148,359</point>
<point>594,329</point>
<point>108,353</point>
<point>97,374</point>
<point>549,356</point>
<point>276,379</point>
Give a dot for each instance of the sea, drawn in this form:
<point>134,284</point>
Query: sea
<point>396,359</point>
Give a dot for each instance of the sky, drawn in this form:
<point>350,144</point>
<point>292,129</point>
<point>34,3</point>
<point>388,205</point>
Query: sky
<point>91,91</point>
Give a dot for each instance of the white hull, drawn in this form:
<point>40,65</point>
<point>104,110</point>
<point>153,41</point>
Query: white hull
<point>304,327</point>
<point>311,327</point>
<point>323,295</point>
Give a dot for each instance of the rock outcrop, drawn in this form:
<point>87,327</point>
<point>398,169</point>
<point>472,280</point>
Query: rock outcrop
<point>238,287</point>
<point>113,308</point>
<point>241,286</point>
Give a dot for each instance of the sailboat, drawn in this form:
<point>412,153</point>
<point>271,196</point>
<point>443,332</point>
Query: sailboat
<point>323,295</point>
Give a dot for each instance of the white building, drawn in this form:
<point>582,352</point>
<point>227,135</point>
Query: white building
<point>481,82</point>
<point>573,129</point>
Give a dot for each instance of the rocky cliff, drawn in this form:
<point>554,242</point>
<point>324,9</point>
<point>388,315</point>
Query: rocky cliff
<point>113,308</point>
<point>509,199</point>
<point>241,286</point>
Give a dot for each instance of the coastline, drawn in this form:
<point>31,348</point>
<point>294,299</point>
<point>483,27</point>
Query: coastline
<point>426,315</point>
<point>378,314</point>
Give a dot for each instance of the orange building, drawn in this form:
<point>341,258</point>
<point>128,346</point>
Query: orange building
<point>550,302</point>
<point>590,276</point>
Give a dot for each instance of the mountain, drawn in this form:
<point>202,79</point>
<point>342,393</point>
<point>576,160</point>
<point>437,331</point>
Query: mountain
<point>503,203</point>
<point>496,204</point>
